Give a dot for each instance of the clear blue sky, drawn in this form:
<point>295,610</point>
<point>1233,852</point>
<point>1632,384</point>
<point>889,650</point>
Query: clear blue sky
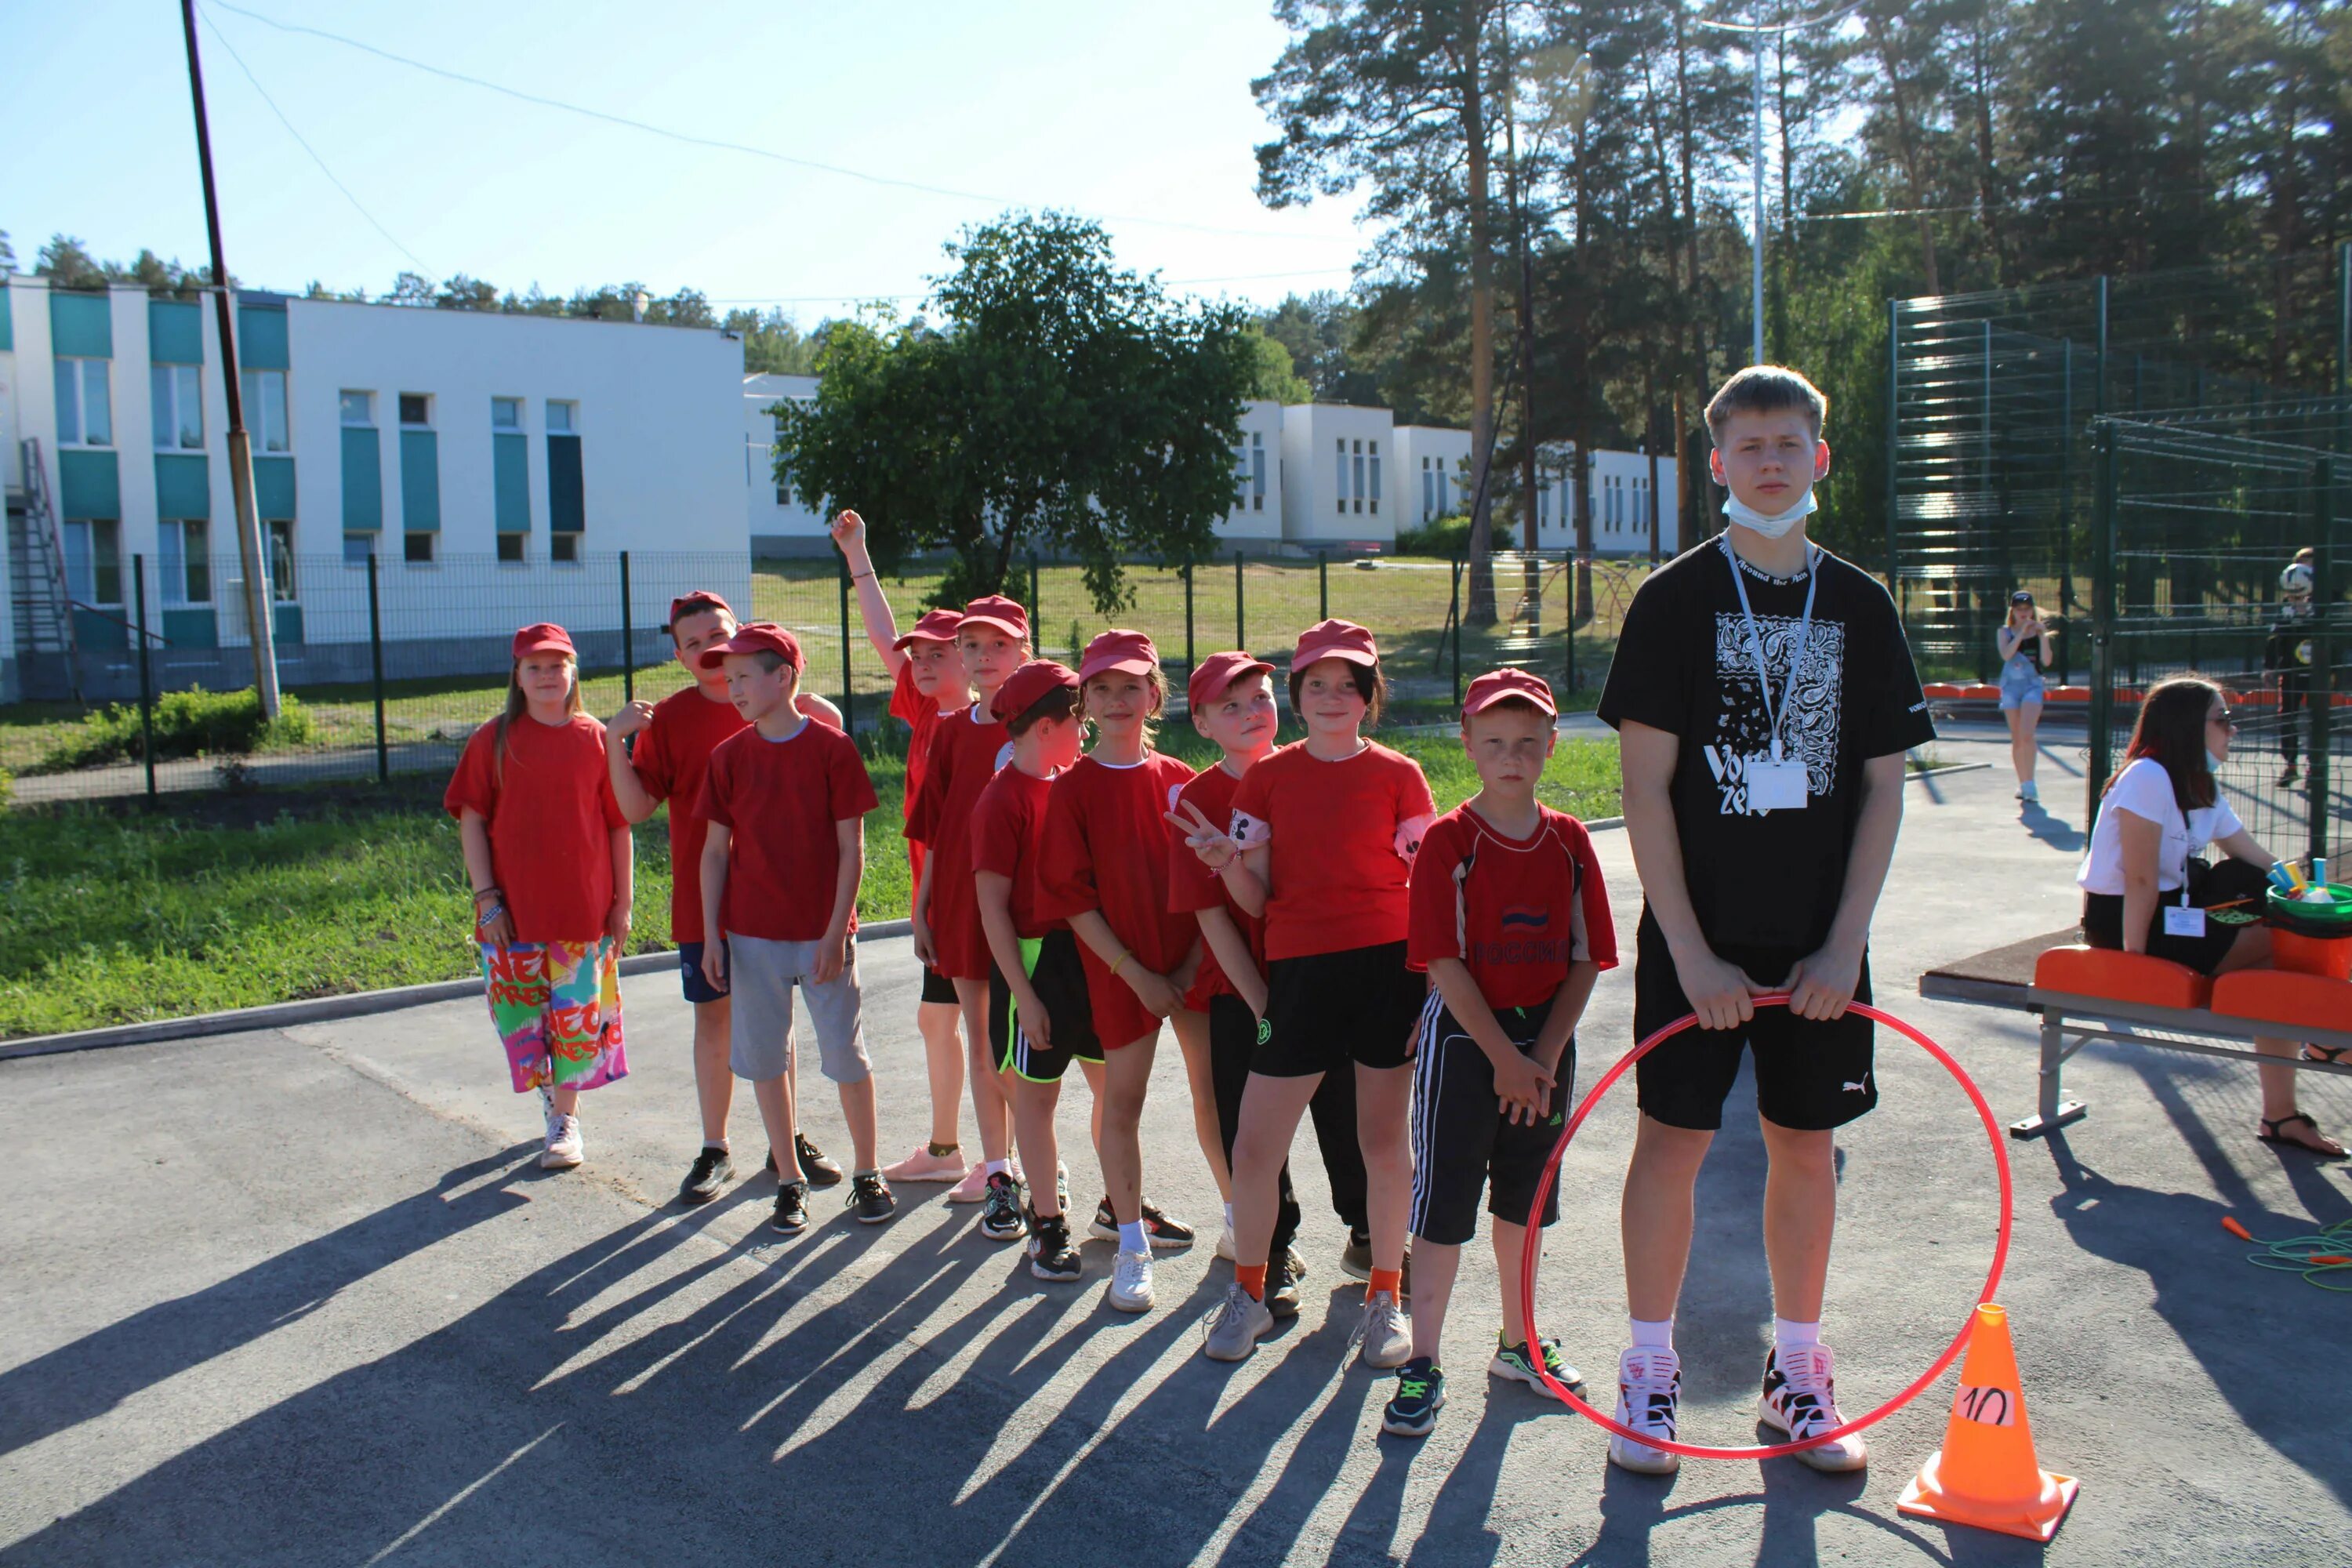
<point>1141,110</point>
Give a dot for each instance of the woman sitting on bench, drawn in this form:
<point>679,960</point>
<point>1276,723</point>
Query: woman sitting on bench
<point>2143,892</point>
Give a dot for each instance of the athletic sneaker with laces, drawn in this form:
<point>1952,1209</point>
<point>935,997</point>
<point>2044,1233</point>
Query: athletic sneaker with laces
<point>1649,1395</point>
<point>870,1195</point>
<point>1051,1255</point>
<point>2027,792</point>
<point>1419,1395</point>
<point>565,1148</point>
<point>818,1168</point>
<point>1236,1326</point>
<point>1356,1262</point>
<point>999,1211</point>
<point>1131,1282</point>
<point>1799,1399</point>
<point>711,1171</point>
<point>1282,1285</point>
<point>922,1165</point>
<point>1515,1362</point>
<point>1386,1334</point>
<point>1165,1234</point>
<point>791,1209</point>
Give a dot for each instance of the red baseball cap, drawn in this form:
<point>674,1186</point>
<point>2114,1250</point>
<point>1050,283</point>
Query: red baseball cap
<point>1129,651</point>
<point>936,625</point>
<point>995,610</point>
<point>545,636</point>
<point>755,636</point>
<point>1032,681</point>
<point>695,604</point>
<point>1496,685</point>
<point>1213,674</point>
<point>1334,640</point>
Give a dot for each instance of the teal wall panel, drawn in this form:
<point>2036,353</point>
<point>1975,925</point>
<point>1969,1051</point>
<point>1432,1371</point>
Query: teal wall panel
<point>7,321</point>
<point>183,485</point>
<point>193,627</point>
<point>261,338</point>
<point>567,509</point>
<point>288,623</point>
<point>92,630</point>
<point>89,485</point>
<point>511,482</point>
<point>273,486</point>
<point>363,480</point>
<point>175,331</point>
<point>420,482</point>
<point>81,326</point>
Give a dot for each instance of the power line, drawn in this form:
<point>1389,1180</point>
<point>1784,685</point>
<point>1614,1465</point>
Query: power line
<point>1171,282</point>
<point>721,144</point>
<point>356,205</point>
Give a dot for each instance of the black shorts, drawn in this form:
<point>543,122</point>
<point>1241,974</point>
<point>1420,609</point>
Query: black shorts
<point>1061,984</point>
<point>938,987</point>
<point>2103,919</point>
<point>1325,1010</point>
<point>696,983</point>
<point>1812,1074</point>
<point>1463,1144</point>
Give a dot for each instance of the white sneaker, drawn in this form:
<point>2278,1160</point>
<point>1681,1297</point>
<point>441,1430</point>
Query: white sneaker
<point>1131,1282</point>
<point>972,1188</point>
<point>2027,792</point>
<point>1649,1395</point>
<point>565,1147</point>
<point>1387,1336</point>
<point>1236,1326</point>
<point>922,1165</point>
<point>1800,1399</point>
<point>1225,1242</point>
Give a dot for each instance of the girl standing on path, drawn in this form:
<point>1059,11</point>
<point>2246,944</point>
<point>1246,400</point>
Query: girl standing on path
<point>2025,653</point>
<point>547,852</point>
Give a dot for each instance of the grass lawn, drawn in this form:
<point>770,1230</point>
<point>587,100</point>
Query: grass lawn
<point>116,915</point>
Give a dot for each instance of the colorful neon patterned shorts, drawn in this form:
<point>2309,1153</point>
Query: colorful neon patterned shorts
<point>557,1008</point>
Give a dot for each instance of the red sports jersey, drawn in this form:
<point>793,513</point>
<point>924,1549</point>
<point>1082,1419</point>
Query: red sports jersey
<point>1192,886</point>
<point>670,756</point>
<point>780,801</point>
<point>1100,834</point>
<point>550,808</point>
<point>1342,836</point>
<point>966,750</point>
<point>1519,912</point>
<point>1008,831</point>
<point>922,717</point>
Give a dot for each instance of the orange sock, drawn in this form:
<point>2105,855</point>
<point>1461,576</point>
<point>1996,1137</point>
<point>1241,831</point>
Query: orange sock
<point>1251,1276</point>
<point>1388,1280</point>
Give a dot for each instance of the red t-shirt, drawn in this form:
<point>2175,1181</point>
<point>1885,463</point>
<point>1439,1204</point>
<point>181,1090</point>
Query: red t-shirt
<point>922,716</point>
<point>780,801</point>
<point>670,756</point>
<point>1100,836</point>
<point>551,813</point>
<point>1192,886</point>
<point>964,755</point>
<point>1008,827</point>
<point>1342,835</point>
<point>1519,912</point>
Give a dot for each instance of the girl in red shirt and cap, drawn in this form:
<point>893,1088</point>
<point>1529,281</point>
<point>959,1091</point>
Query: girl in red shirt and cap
<point>547,852</point>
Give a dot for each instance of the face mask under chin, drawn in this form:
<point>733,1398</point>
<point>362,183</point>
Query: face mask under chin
<point>1771,525</point>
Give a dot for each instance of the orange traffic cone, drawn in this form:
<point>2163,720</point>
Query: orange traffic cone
<point>1986,1474</point>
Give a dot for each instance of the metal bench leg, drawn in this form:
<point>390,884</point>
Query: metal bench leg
<point>2055,1111</point>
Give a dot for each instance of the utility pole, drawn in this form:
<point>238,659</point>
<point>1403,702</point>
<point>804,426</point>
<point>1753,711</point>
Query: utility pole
<point>259,595</point>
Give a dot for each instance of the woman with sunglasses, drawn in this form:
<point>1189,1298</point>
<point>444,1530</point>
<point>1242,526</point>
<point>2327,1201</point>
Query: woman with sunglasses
<point>2145,891</point>
<point>2025,653</point>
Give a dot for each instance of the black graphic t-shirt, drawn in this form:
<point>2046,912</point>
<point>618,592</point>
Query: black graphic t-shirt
<point>2288,651</point>
<point>1686,665</point>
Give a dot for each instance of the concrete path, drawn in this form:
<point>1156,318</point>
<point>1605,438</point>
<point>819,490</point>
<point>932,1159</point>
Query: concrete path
<point>300,1296</point>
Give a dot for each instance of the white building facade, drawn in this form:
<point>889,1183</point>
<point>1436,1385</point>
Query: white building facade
<point>1622,487</point>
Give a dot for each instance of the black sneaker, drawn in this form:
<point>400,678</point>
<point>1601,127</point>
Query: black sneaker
<point>713,1169</point>
<point>1051,1255</point>
<point>1419,1395</point>
<point>818,1169</point>
<point>1165,1234</point>
<point>791,1208</point>
<point>869,1195</point>
<point>1000,1209</point>
<point>1282,1288</point>
<point>1356,1262</point>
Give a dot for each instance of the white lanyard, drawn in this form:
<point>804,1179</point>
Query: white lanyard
<point>1755,641</point>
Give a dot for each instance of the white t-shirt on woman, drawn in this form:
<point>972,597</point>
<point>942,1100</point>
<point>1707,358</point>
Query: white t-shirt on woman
<point>2144,790</point>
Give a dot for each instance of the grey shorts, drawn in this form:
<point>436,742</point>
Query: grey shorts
<point>760,975</point>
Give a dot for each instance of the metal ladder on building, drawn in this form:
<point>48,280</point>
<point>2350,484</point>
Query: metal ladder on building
<point>38,593</point>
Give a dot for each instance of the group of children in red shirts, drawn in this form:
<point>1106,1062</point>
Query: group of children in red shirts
<point>1319,939</point>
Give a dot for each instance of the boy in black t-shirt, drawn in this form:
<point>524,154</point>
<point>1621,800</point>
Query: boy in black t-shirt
<point>1764,697</point>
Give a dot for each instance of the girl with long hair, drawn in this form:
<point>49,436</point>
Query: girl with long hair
<point>2025,652</point>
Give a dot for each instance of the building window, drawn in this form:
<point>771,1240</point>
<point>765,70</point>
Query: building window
<point>562,418</point>
<point>187,567</point>
<point>278,534</point>
<point>506,413</point>
<point>1376,478</point>
<point>1257,471</point>
<point>416,549</point>
<point>85,412</point>
<point>264,407</point>
<point>94,562</point>
<point>1342,498</point>
<point>177,402</point>
<point>358,408</point>
<point>510,549</point>
<point>1358,496</point>
<point>563,549</point>
<point>1543,506</point>
<point>784,491</point>
<point>357,548</point>
<point>416,410</point>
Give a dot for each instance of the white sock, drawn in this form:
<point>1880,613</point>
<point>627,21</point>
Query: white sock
<point>1131,1238</point>
<point>717,1143</point>
<point>1659,1336</point>
<point>995,1168</point>
<point>1229,1216</point>
<point>1785,1332</point>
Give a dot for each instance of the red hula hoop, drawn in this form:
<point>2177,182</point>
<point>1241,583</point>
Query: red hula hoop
<point>1770,1450</point>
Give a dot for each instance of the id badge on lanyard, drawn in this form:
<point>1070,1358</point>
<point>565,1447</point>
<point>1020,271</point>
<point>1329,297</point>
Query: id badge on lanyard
<point>2184,919</point>
<point>1776,782</point>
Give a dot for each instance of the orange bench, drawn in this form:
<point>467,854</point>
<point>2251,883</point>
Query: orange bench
<point>2087,993</point>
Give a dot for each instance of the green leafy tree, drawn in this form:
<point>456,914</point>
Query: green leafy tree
<point>1061,403</point>
<point>1273,375</point>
